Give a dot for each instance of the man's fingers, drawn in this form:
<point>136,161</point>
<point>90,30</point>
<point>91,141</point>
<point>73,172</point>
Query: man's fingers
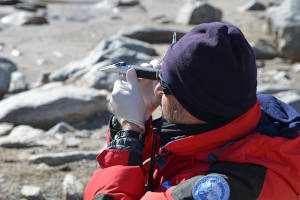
<point>132,78</point>
<point>155,63</point>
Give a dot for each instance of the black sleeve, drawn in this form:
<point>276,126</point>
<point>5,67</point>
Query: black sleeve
<point>245,180</point>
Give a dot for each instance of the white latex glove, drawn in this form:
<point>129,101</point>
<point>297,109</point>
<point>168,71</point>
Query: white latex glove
<point>126,101</point>
<point>151,99</point>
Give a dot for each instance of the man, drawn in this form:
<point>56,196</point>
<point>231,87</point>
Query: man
<point>217,139</point>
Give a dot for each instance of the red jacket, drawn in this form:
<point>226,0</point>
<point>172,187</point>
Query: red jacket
<point>256,166</point>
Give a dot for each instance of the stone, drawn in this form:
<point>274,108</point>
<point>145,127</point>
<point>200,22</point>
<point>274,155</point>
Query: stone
<point>8,2</point>
<point>283,23</point>
<point>16,53</point>
<point>109,51</point>
<point>19,18</point>
<point>162,19</point>
<point>7,65</point>
<point>17,82</point>
<point>72,142</point>
<point>128,2</point>
<point>26,6</point>
<point>46,106</point>
<point>2,178</point>
<point>253,6</point>
<point>32,192</point>
<point>273,88</point>
<point>263,50</point>
<point>56,159</point>
<point>4,81</point>
<point>274,2</point>
<point>2,45</point>
<point>260,63</point>
<point>6,68</point>
<point>61,127</point>
<point>196,12</point>
<point>290,97</point>
<point>5,128</point>
<point>151,34</point>
<point>97,79</point>
<point>72,188</point>
<point>296,67</point>
<point>24,136</point>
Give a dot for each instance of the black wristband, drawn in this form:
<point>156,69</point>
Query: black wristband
<point>132,134</point>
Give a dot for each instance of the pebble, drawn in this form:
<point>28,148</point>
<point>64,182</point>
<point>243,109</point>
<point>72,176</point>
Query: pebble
<point>32,192</point>
<point>296,67</point>
<point>16,53</point>
<point>72,188</point>
<point>2,178</point>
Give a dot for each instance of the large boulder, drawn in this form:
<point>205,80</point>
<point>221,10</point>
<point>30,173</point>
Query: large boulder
<point>151,34</point>
<point>46,106</point>
<point>107,52</point>
<point>25,136</point>
<point>196,12</point>
<point>283,22</point>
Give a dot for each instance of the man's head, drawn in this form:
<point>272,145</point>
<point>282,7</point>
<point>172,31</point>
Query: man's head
<point>211,72</point>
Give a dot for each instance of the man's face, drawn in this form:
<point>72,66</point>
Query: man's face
<point>173,111</point>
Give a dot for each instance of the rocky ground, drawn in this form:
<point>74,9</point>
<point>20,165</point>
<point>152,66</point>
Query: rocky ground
<point>35,148</point>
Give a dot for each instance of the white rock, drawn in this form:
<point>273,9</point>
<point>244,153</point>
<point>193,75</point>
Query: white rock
<point>16,53</point>
<point>23,17</point>
<point>72,142</point>
<point>5,128</point>
<point>17,82</point>
<point>46,106</point>
<point>61,127</point>
<point>296,67</point>
<point>2,178</point>
<point>32,192</point>
<point>26,136</point>
<point>72,188</point>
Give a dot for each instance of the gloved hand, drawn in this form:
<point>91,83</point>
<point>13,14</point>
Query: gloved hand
<point>147,86</point>
<point>126,101</point>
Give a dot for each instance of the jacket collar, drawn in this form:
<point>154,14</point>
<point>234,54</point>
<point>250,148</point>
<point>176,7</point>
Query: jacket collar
<point>210,141</point>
